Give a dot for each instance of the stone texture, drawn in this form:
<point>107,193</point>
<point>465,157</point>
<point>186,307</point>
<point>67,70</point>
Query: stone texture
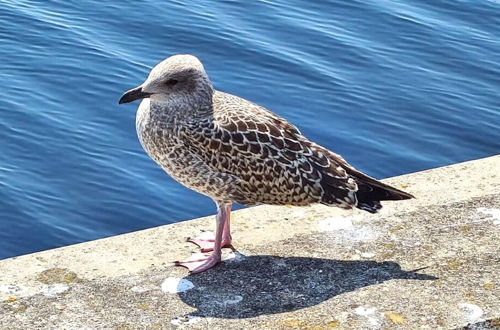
<point>430,263</point>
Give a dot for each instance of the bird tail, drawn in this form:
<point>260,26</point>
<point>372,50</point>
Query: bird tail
<point>371,192</point>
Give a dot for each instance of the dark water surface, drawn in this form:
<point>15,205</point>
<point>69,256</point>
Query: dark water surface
<point>394,86</point>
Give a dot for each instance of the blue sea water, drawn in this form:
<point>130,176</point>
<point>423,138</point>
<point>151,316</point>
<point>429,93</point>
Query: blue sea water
<point>393,86</point>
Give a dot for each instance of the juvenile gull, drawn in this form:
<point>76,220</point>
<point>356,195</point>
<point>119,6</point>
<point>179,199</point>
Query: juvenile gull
<point>233,150</point>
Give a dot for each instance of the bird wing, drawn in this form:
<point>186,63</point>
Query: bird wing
<point>275,162</point>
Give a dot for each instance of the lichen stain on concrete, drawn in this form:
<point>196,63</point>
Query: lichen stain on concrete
<point>395,318</point>
<point>363,234</point>
<point>365,310</point>
<point>336,223</point>
<point>176,285</point>
<point>57,275</point>
<point>124,326</point>
<point>494,214</point>
<point>473,312</point>
<point>41,259</point>
<point>233,256</point>
<point>185,320</point>
<point>233,300</point>
<point>53,290</point>
<point>9,288</point>
<point>332,324</point>
<point>20,309</point>
<point>369,314</point>
<point>143,306</point>
<point>141,289</point>
<point>292,323</point>
<point>224,300</point>
<point>365,255</point>
<point>343,229</point>
<point>454,264</point>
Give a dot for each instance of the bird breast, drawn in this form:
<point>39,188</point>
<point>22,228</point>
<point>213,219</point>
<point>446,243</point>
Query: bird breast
<point>153,132</point>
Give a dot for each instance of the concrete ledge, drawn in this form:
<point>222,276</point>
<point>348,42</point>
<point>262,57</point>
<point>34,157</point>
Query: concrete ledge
<point>427,263</point>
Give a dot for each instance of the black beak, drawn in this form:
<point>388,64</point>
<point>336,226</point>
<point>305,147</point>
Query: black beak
<point>133,94</point>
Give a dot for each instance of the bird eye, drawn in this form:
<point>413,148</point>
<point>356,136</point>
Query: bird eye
<point>171,82</point>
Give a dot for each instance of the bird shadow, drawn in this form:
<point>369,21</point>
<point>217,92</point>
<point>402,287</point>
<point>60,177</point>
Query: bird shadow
<point>263,284</point>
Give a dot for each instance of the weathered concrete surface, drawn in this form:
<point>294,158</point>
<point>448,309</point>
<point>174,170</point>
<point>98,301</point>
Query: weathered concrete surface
<point>308,268</point>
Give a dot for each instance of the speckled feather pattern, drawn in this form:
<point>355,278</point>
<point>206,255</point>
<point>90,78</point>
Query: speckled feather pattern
<point>273,162</point>
<point>233,150</point>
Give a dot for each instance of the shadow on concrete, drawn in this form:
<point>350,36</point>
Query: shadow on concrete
<point>493,324</point>
<point>259,285</point>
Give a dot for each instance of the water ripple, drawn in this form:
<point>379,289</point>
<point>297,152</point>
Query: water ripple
<point>395,86</point>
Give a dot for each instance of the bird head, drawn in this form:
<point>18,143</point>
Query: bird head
<point>179,76</point>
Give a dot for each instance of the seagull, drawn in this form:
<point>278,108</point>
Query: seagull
<point>233,150</point>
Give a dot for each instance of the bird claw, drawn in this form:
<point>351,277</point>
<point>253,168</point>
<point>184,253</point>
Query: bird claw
<point>207,242</point>
<point>199,262</point>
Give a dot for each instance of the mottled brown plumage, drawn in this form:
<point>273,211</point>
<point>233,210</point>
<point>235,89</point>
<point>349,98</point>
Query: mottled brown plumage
<point>233,150</point>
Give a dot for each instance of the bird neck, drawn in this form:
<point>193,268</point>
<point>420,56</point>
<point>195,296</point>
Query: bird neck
<point>178,110</point>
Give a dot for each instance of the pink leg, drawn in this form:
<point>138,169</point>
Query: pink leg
<point>226,235</point>
<point>206,240</point>
<point>200,262</point>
